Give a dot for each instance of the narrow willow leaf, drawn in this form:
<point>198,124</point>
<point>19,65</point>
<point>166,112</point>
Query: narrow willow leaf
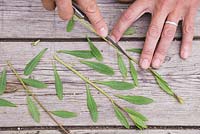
<point>34,83</point>
<point>122,66</point>
<point>138,122</point>
<point>164,86</point>
<point>64,114</point>
<point>135,50</point>
<point>33,63</point>
<point>139,100</point>
<point>86,54</point>
<point>91,104</point>
<point>120,116</point>
<point>3,80</point>
<point>129,31</point>
<point>99,67</point>
<point>5,103</point>
<point>94,50</point>
<point>70,25</point>
<point>135,113</point>
<point>35,43</point>
<point>118,85</point>
<point>134,74</point>
<point>33,110</point>
<point>58,84</point>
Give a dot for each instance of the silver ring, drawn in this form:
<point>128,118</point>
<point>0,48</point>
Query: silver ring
<point>172,23</point>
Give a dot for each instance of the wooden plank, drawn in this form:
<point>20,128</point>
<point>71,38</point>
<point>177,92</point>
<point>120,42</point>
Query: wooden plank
<point>183,76</point>
<point>105,132</point>
<point>28,19</point>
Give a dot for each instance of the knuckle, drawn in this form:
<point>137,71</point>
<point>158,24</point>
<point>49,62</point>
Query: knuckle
<point>91,6</point>
<point>188,29</point>
<point>99,22</point>
<point>147,53</point>
<point>126,16</point>
<point>163,5</point>
<point>153,31</point>
<point>161,52</point>
<point>168,32</point>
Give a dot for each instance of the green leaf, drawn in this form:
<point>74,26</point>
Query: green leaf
<point>120,116</point>
<point>129,31</point>
<point>35,43</point>
<point>64,114</point>
<point>135,50</point>
<point>58,84</point>
<point>33,110</point>
<point>3,80</point>
<point>164,86</point>
<point>121,65</point>
<point>34,83</point>
<point>70,25</point>
<point>134,74</point>
<point>138,122</point>
<point>86,54</point>
<point>91,104</point>
<point>99,67</point>
<point>137,114</point>
<point>118,85</point>
<point>94,50</point>
<point>33,63</point>
<point>5,103</point>
<point>139,100</point>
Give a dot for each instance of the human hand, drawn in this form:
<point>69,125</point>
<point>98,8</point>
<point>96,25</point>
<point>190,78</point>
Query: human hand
<point>89,7</point>
<point>166,15</point>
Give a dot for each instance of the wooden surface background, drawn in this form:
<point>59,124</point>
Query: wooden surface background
<point>22,22</point>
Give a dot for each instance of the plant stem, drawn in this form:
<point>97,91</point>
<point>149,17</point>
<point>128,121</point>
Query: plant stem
<point>29,92</point>
<point>88,26</point>
<point>83,78</point>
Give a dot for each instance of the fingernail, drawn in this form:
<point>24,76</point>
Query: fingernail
<point>156,63</point>
<point>185,54</point>
<point>103,32</point>
<point>145,64</point>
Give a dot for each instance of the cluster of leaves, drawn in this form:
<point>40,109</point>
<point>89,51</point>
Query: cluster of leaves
<point>121,113</point>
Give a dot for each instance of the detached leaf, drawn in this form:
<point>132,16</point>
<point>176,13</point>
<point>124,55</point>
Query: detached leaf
<point>70,25</point>
<point>118,85</point>
<point>122,66</point>
<point>138,122</point>
<point>94,50</point>
<point>33,110</point>
<point>129,31</point>
<point>135,50</point>
<point>3,80</point>
<point>139,100</point>
<point>91,104</point>
<point>5,103</point>
<point>120,116</point>
<point>137,114</point>
<point>34,83</point>
<point>33,63</point>
<point>64,114</point>
<point>134,74</point>
<point>58,84</point>
<point>35,43</point>
<point>99,67</point>
<point>86,54</point>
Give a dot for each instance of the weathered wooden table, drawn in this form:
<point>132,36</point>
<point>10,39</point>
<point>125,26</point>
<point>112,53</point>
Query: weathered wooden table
<point>22,22</point>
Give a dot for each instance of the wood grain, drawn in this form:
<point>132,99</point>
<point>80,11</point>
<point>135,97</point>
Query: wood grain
<point>28,19</point>
<point>183,76</point>
<point>105,132</point>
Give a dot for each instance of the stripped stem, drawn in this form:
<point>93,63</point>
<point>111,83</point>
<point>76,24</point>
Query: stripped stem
<point>29,92</point>
<point>83,78</point>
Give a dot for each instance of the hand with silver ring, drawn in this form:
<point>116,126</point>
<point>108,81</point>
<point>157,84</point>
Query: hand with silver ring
<point>166,15</point>
<point>89,7</point>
